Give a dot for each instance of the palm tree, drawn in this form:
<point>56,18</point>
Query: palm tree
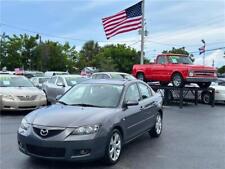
<point>90,49</point>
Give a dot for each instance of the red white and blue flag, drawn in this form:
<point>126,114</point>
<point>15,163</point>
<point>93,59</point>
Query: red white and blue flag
<point>127,20</point>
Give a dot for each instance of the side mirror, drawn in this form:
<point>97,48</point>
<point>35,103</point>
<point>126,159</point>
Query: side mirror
<point>131,103</point>
<point>60,84</point>
<point>58,97</point>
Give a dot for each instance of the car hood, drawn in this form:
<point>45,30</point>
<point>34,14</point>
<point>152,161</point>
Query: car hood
<point>20,91</point>
<point>200,67</point>
<point>68,116</point>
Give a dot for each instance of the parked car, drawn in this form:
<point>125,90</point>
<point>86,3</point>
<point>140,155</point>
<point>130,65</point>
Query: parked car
<point>59,84</point>
<point>92,120</point>
<point>30,74</point>
<point>88,71</point>
<point>18,93</point>
<point>177,69</point>
<point>53,73</point>
<point>112,75</point>
<point>38,81</point>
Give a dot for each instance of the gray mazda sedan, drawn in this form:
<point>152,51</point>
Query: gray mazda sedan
<point>92,120</point>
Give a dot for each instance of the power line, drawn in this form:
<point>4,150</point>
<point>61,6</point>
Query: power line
<point>209,50</point>
<point>55,36</point>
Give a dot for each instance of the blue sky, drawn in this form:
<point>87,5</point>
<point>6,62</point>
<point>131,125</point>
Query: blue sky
<point>169,22</point>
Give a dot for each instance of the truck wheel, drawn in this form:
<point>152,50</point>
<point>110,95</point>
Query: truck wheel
<point>141,76</point>
<point>204,84</point>
<point>177,80</point>
<point>206,97</point>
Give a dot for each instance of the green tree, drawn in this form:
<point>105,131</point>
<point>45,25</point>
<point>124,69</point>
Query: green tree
<point>221,70</point>
<point>90,49</point>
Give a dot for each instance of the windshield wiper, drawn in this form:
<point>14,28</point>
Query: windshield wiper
<point>85,105</point>
<point>61,102</point>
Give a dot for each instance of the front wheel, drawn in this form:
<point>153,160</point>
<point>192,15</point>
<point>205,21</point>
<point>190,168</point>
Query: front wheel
<point>113,148</point>
<point>206,97</point>
<point>141,76</point>
<point>157,129</point>
<point>177,80</point>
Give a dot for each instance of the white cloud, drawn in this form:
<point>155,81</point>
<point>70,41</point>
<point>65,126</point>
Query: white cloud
<point>217,56</point>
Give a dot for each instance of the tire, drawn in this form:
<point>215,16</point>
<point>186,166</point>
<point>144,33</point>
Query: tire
<point>157,129</point>
<point>204,84</point>
<point>113,148</point>
<point>177,80</point>
<point>141,76</point>
<point>206,97</point>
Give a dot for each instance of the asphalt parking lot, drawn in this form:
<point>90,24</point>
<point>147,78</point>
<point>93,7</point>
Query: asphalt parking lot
<point>192,138</point>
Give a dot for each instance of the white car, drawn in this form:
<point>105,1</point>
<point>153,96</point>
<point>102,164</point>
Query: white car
<point>219,87</point>
<point>18,93</point>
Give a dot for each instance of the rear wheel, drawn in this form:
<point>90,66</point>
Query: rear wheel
<point>177,80</point>
<point>157,129</point>
<point>204,84</point>
<point>141,76</point>
<point>206,97</point>
<point>113,148</point>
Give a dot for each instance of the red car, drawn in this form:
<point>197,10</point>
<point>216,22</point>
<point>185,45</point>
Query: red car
<point>176,68</point>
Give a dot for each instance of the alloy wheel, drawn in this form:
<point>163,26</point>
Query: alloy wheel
<point>115,146</point>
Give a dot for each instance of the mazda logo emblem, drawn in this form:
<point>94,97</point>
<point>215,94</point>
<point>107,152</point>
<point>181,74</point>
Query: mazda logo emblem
<point>44,132</point>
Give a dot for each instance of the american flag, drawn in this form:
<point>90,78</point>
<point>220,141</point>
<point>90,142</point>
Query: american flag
<point>201,50</point>
<point>127,20</point>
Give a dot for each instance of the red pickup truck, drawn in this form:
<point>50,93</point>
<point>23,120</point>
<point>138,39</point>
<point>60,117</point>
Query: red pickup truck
<point>175,68</point>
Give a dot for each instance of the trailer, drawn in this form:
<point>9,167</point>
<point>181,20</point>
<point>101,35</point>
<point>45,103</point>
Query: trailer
<point>167,93</point>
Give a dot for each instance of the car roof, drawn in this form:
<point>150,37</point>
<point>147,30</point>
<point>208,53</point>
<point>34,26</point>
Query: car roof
<point>111,73</point>
<point>10,75</point>
<point>109,81</point>
<point>172,54</point>
<point>69,75</point>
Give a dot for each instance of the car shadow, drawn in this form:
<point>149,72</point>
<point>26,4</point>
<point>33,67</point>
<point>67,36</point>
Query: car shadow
<point>14,113</point>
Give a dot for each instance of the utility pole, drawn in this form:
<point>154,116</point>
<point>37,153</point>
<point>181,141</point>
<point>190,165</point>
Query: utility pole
<point>142,32</point>
<point>203,41</point>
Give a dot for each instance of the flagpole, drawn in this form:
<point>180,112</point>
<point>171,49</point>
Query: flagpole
<point>142,32</point>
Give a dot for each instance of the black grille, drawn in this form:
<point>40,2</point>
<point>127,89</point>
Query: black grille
<point>46,151</point>
<point>51,132</point>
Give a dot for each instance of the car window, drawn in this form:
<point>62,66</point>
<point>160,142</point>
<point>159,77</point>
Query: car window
<point>101,95</point>
<point>98,76</point>
<point>145,91</point>
<point>105,76</point>
<point>15,81</point>
<point>161,60</point>
<point>52,80</point>
<point>132,93</point>
<point>60,81</point>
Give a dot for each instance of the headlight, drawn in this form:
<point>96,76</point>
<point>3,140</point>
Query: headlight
<point>24,124</point>
<point>85,130</point>
<point>8,97</point>
<point>191,73</point>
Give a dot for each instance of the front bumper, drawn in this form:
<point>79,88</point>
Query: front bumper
<point>201,79</point>
<point>22,105</point>
<point>64,149</point>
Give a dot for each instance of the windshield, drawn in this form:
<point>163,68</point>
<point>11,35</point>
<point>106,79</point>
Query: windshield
<point>123,76</point>
<point>94,95</point>
<point>74,80</point>
<point>14,81</point>
<point>179,60</point>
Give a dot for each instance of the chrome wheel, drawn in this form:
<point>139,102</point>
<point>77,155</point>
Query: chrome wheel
<point>177,80</point>
<point>158,124</point>
<point>140,76</point>
<point>115,146</point>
